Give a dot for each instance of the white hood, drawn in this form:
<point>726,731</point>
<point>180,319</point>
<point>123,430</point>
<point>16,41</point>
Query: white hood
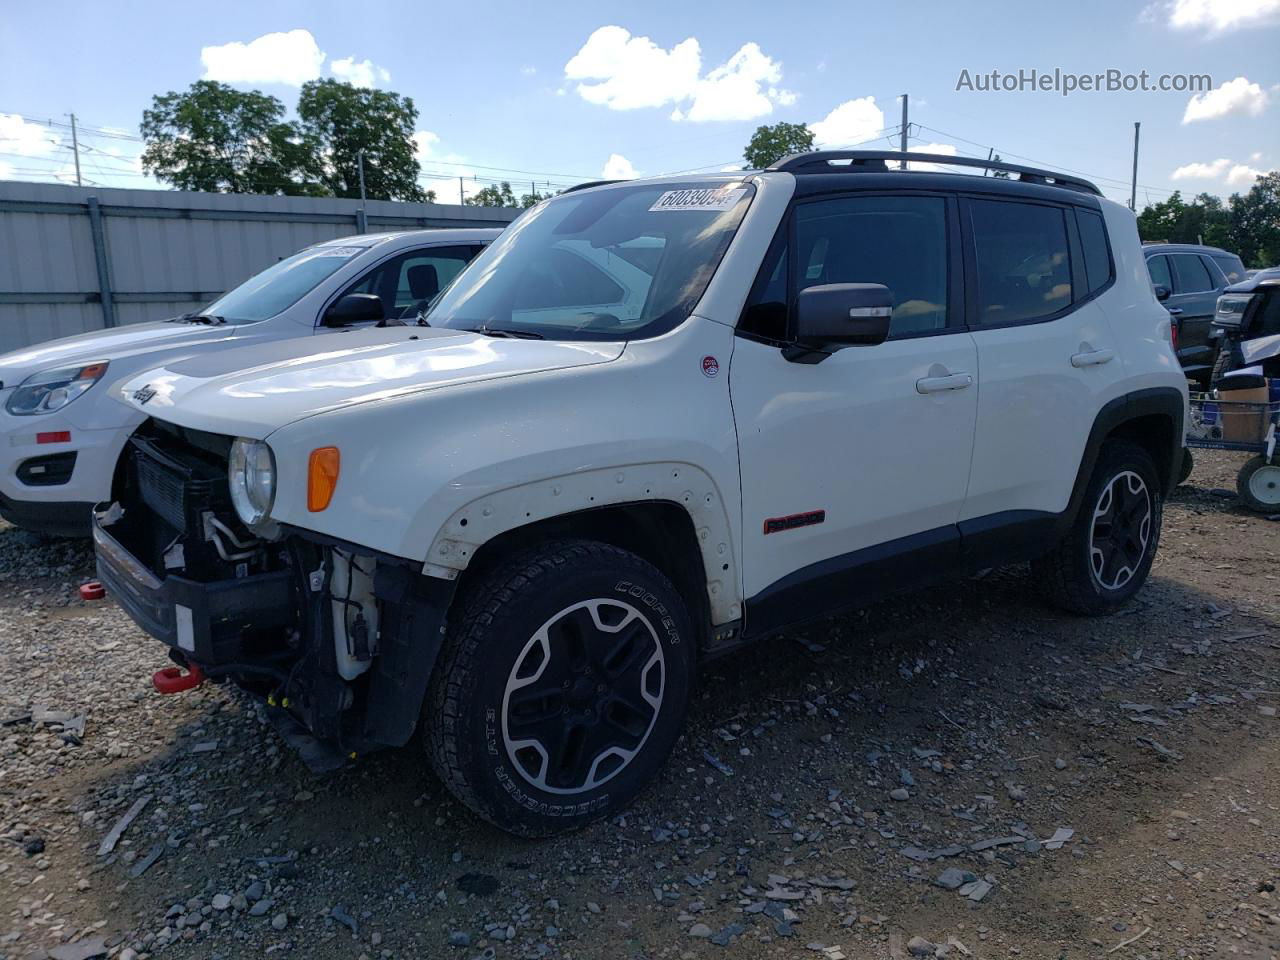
<point>117,343</point>
<point>254,390</point>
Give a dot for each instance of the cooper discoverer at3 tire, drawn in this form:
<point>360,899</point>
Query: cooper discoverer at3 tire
<point>563,686</point>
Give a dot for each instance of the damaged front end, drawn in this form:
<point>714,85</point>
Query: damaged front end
<point>338,640</point>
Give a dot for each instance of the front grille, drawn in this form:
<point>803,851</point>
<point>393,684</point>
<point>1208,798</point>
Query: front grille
<point>162,490</point>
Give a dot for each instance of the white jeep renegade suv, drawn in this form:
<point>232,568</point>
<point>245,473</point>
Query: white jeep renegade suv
<point>652,421</point>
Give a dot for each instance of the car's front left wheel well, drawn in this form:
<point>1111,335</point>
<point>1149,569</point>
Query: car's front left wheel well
<point>658,531</point>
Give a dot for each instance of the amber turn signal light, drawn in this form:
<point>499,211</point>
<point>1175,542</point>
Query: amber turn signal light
<point>322,477</point>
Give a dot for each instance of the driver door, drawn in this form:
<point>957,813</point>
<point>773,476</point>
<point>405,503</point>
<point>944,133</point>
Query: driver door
<point>854,469</point>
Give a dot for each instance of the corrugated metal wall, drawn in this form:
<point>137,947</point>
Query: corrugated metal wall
<point>163,252</point>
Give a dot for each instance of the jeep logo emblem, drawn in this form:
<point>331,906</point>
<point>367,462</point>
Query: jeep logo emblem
<point>143,394</point>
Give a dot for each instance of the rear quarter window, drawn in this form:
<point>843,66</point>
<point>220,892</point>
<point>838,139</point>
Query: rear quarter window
<point>1232,266</point>
<point>1097,252</point>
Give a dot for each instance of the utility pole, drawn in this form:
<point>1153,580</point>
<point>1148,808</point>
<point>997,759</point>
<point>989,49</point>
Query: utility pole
<point>75,148</point>
<point>905,127</point>
<point>360,164</point>
<point>462,194</point>
<point>1133,190</point>
<point>991,152</point>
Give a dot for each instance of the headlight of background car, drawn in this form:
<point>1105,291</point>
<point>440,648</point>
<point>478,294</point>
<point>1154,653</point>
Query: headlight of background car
<point>53,389</point>
<point>1231,307</point>
<point>252,475</point>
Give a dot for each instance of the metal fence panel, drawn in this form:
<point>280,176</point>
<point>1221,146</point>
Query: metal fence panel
<point>164,252</point>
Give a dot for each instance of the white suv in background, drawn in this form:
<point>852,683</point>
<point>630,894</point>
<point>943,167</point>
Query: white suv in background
<point>652,421</point>
<point>58,453</point>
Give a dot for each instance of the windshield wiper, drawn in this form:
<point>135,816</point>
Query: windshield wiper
<point>512,334</point>
<point>209,318</point>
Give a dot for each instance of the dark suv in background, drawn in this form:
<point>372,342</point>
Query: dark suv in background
<point>1188,279</point>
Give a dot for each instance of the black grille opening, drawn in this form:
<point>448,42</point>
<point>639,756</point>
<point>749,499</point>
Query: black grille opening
<point>48,471</point>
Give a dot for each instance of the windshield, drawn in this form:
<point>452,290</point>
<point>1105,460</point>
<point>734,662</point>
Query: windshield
<point>602,265</point>
<point>281,285</point>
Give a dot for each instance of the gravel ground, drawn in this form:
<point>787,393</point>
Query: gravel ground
<point>961,773</point>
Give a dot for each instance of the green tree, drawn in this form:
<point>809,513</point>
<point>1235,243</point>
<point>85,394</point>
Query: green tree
<point>495,196</point>
<point>770,144</point>
<point>529,199</point>
<point>216,138</point>
<point>1255,222</point>
<point>339,120</point>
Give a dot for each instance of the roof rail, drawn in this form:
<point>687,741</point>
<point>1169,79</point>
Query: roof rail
<point>875,161</point>
<point>588,185</point>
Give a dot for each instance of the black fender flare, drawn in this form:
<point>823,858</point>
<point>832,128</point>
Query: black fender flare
<point>1153,401</point>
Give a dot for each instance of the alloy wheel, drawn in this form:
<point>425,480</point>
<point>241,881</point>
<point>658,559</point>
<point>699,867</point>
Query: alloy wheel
<point>582,696</point>
<point>1120,531</point>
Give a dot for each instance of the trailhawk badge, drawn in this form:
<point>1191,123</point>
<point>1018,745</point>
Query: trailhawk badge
<point>710,366</point>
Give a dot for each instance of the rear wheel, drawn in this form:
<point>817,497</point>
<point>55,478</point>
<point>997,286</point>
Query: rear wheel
<point>1106,556</point>
<point>1258,484</point>
<point>564,684</point>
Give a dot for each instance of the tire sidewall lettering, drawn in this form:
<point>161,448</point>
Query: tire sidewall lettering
<point>650,600</point>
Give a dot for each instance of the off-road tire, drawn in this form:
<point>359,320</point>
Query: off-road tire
<point>1067,574</point>
<point>494,635</point>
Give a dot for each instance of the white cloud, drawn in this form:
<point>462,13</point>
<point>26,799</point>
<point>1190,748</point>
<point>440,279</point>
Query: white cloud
<point>1229,171</point>
<point>618,167</point>
<point>1241,175</point>
<point>1234,96</point>
<point>851,122</point>
<point>26,139</point>
<point>942,149</point>
<point>624,72</point>
<point>1215,16</point>
<point>361,73</point>
<point>528,71</point>
<point>424,142</point>
<point>744,88</point>
<point>290,58</point>
<point>1201,171</point>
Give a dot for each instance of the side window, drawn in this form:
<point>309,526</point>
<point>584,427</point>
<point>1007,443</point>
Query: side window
<point>900,242</point>
<point>1231,266</point>
<point>1023,260</point>
<point>1093,242</point>
<point>424,273</point>
<point>1191,273</point>
<point>765,314</point>
<point>1158,267</point>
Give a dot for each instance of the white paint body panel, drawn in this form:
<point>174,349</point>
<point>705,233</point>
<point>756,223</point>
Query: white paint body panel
<point>99,424</point>
<point>851,436</point>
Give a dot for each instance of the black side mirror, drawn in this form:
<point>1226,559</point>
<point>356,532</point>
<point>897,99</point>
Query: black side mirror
<point>354,308</point>
<point>835,315</point>
<point>1162,292</point>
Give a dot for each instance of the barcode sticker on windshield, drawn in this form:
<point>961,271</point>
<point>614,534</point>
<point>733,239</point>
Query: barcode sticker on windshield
<point>719,198</point>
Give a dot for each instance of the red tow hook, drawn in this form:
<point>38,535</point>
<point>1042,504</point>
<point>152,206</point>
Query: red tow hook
<point>173,680</point>
<point>93,590</point>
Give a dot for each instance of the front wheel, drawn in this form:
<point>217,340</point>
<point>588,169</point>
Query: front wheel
<point>1258,484</point>
<point>1106,555</point>
<point>563,686</point>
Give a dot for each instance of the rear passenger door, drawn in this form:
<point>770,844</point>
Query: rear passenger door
<point>1196,284</point>
<point>1047,359</point>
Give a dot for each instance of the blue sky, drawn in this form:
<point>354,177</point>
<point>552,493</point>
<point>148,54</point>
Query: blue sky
<point>568,91</point>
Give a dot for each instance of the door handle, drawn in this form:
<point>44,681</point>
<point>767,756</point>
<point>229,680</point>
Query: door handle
<point>1174,311</point>
<point>1092,358</point>
<point>954,381</point>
